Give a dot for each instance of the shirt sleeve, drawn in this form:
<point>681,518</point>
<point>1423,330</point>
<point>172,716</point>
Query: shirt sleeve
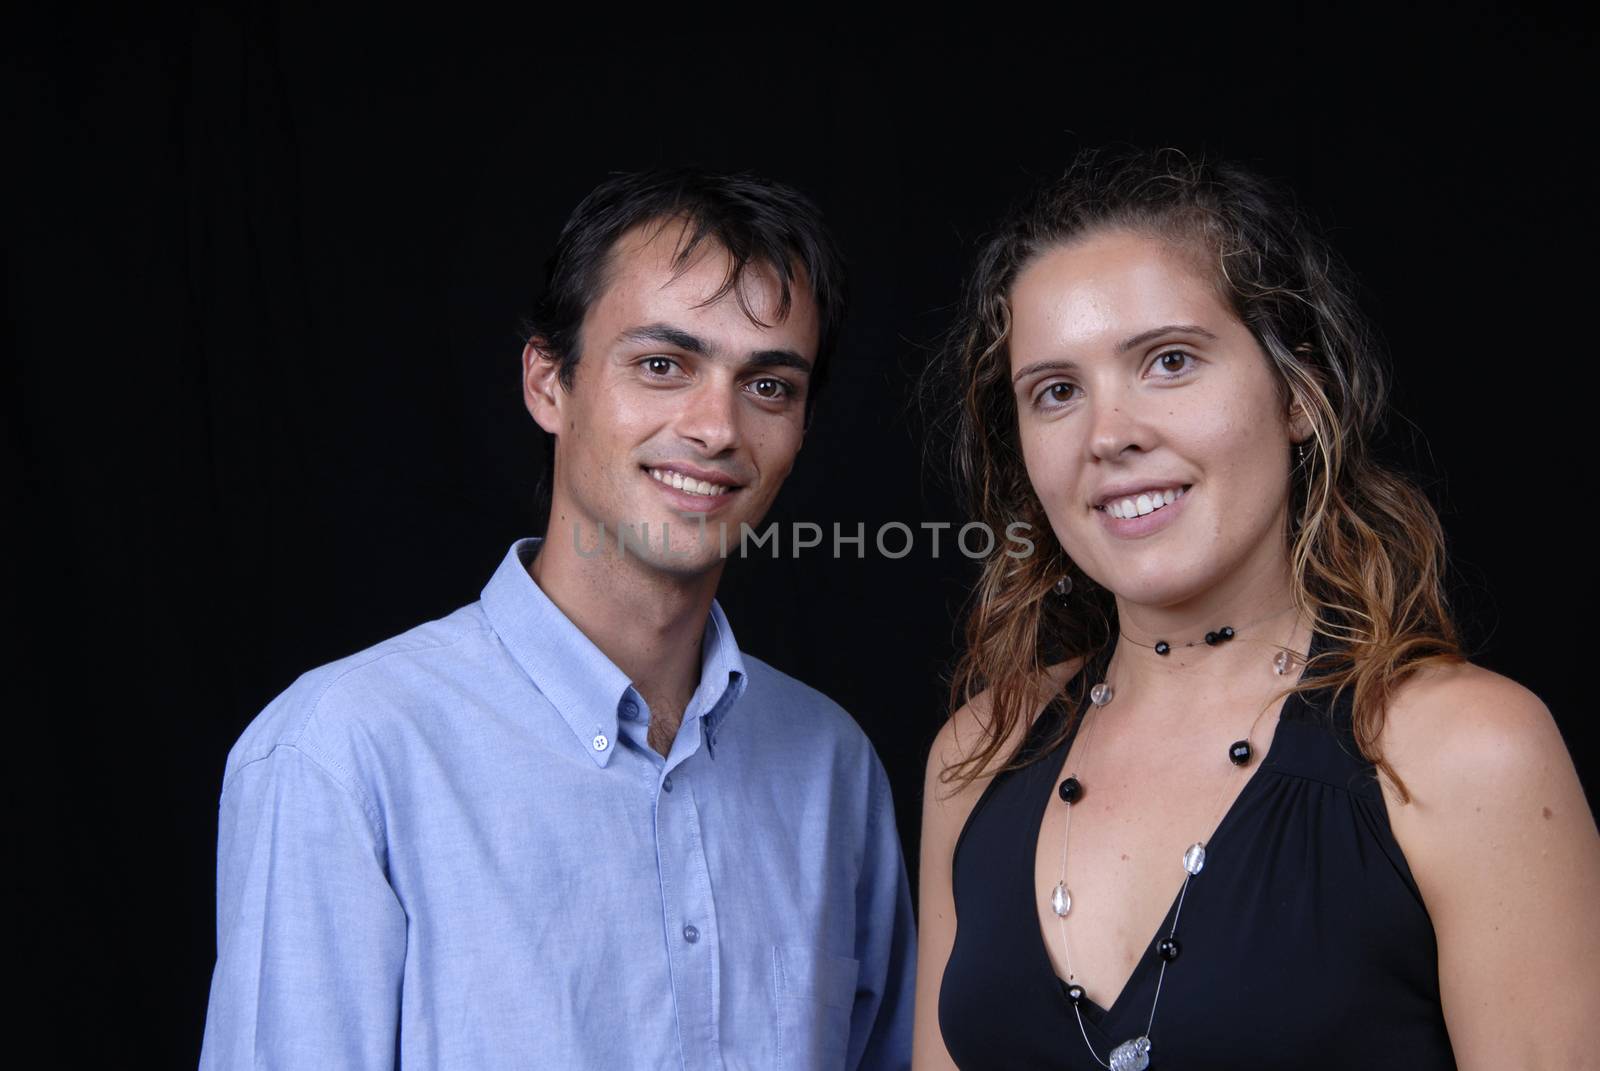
<point>311,939</point>
<point>886,943</point>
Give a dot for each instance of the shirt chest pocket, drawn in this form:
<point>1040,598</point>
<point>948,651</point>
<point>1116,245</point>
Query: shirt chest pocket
<point>815,992</point>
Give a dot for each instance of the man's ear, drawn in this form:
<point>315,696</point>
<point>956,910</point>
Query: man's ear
<point>542,392</point>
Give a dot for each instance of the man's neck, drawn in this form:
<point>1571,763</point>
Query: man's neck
<point>649,623</point>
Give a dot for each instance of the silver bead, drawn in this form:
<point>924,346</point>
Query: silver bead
<point>1282,662</point>
<point>1194,860</point>
<point>1061,899</point>
<point>1064,586</point>
<point>1100,694</point>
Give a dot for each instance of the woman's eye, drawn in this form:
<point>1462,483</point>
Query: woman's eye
<point>1057,393</point>
<point>1173,363</point>
<point>771,389</point>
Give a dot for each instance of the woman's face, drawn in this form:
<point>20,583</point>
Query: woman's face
<point>1150,422</point>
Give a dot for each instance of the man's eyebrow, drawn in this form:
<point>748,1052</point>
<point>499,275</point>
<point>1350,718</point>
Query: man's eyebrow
<point>1124,346</point>
<point>667,335</point>
<point>778,359</point>
<point>678,338</point>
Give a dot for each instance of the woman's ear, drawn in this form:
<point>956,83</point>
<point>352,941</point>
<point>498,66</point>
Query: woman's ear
<point>542,391</point>
<point>1299,423</point>
<point>1300,427</point>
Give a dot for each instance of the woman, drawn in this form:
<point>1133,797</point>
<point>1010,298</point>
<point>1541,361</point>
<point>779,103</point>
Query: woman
<point>1221,790</point>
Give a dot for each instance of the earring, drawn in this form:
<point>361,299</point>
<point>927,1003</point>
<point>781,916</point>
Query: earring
<point>1302,450</point>
<point>1064,586</point>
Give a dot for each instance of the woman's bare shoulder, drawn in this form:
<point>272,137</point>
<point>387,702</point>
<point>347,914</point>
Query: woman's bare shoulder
<point>1496,816</point>
<point>969,729</point>
<point>1456,723</point>
<point>1482,760</point>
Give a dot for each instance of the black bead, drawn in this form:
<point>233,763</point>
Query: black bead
<point>1073,992</point>
<point>1168,949</point>
<point>1239,753</point>
<point>1227,632</point>
<point>1071,790</point>
<point>1211,639</point>
<point>1162,647</point>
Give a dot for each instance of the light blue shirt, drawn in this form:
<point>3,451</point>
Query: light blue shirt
<point>456,850</point>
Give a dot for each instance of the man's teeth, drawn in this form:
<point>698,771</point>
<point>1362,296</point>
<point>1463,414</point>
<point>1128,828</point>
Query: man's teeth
<point>684,483</point>
<point>1139,505</point>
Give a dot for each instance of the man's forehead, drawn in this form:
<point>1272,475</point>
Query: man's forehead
<point>666,248</point>
<point>647,268</point>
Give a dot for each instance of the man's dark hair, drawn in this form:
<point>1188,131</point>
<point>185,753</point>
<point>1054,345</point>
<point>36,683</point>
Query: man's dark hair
<point>756,220</point>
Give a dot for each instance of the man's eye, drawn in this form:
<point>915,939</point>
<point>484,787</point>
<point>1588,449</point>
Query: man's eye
<point>772,389</point>
<point>659,365</point>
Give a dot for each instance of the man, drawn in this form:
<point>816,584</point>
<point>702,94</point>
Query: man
<point>571,825</point>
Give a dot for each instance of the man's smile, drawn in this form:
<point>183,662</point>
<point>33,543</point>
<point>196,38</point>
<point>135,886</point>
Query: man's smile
<point>692,481</point>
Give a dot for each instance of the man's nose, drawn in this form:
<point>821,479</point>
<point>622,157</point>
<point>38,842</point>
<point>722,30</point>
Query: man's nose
<point>710,417</point>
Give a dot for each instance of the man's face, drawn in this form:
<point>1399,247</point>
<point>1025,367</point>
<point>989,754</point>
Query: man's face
<point>674,398</point>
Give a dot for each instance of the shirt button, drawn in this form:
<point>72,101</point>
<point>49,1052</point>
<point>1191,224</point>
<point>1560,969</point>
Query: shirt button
<point>691,934</point>
<point>600,742</point>
<point>667,784</point>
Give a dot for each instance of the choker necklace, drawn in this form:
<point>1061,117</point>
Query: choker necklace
<point>1212,639</point>
<point>1134,1054</point>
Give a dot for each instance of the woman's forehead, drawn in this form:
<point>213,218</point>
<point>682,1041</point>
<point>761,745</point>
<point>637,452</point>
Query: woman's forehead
<point>1097,291</point>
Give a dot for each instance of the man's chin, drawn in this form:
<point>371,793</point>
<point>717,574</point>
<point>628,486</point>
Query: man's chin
<point>678,546</point>
<point>685,562</point>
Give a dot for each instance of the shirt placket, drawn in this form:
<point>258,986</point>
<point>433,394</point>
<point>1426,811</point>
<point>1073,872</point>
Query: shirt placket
<point>689,913</point>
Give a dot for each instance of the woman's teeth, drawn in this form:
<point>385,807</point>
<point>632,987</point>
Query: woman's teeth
<point>1139,505</point>
<point>684,483</point>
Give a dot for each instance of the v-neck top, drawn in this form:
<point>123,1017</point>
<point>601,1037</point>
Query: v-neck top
<point>1304,939</point>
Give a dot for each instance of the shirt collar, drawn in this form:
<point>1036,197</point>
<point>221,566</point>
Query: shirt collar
<point>587,688</point>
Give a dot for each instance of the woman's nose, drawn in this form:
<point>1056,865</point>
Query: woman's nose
<point>1115,427</point>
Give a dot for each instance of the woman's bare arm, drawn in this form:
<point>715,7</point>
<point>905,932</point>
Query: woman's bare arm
<point>944,813</point>
<point>1504,849</point>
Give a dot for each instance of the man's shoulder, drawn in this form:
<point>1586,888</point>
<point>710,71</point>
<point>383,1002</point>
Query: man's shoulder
<point>327,708</point>
<point>792,706</point>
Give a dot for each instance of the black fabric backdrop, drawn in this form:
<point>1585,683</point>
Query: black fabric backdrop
<point>264,271</point>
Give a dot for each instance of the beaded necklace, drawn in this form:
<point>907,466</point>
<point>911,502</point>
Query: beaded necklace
<point>1134,1054</point>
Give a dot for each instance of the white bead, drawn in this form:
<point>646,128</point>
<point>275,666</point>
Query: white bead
<point>1060,900</point>
<point>1194,860</point>
<point>1131,1055</point>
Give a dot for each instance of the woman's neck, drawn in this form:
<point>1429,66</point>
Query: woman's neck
<point>1191,672</point>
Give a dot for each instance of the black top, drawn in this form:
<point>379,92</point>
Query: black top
<point>1305,942</point>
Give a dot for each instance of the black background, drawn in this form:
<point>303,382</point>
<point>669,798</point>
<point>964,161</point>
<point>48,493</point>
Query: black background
<point>264,272</point>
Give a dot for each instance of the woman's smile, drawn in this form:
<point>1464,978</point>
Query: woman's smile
<point>1144,513</point>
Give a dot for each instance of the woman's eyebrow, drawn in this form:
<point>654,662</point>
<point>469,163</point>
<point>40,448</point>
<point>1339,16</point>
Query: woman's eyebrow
<point>1044,366</point>
<point>1167,329</point>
